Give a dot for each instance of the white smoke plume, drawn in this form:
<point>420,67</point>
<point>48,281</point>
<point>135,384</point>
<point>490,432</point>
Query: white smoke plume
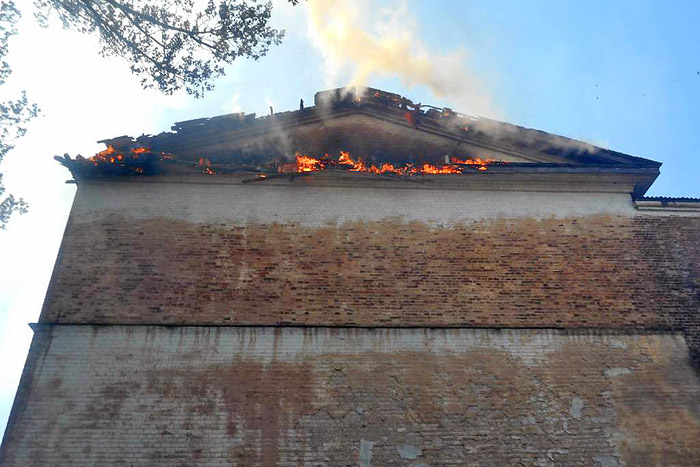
<point>369,40</point>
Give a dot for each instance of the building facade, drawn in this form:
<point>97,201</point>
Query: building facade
<point>415,287</point>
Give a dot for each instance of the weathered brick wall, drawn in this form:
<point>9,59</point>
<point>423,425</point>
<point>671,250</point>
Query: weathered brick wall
<point>588,271</point>
<point>184,396</point>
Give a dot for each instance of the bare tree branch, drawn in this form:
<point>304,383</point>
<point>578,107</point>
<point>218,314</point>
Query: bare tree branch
<point>176,45</point>
<point>170,44</point>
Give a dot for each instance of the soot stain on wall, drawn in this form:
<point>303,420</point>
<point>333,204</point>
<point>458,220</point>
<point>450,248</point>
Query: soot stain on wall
<point>254,397</point>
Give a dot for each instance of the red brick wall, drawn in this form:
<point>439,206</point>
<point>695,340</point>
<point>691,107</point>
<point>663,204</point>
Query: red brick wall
<point>589,272</point>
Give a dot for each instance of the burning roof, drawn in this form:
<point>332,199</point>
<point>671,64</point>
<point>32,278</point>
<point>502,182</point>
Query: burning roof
<point>142,161</point>
<point>350,129</point>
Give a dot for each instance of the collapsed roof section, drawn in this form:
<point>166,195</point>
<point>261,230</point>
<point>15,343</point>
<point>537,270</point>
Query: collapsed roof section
<point>385,133</point>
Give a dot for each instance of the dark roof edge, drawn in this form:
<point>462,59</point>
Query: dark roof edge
<point>564,141</point>
<point>668,204</point>
<point>670,199</point>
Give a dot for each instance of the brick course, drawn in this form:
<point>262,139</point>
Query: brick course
<point>595,271</point>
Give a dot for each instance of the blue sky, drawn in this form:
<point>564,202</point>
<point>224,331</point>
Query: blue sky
<point>620,74</point>
<point>623,74</point>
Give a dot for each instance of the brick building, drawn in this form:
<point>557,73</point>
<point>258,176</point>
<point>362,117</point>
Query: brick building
<point>470,293</point>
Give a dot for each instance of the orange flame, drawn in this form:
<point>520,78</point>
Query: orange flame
<point>304,163</point>
<point>357,165</point>
<point>440,169</point>
<point>206,166</point>
<point>307,164</point>
<point>111,156</point>
<point>475,161</point>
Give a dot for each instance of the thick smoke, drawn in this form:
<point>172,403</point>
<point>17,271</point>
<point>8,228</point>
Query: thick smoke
<point>369,39</point>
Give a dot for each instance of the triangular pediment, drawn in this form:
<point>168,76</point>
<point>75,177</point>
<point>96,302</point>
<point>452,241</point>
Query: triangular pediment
<point>377,126</point>
<point>376,133</point>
